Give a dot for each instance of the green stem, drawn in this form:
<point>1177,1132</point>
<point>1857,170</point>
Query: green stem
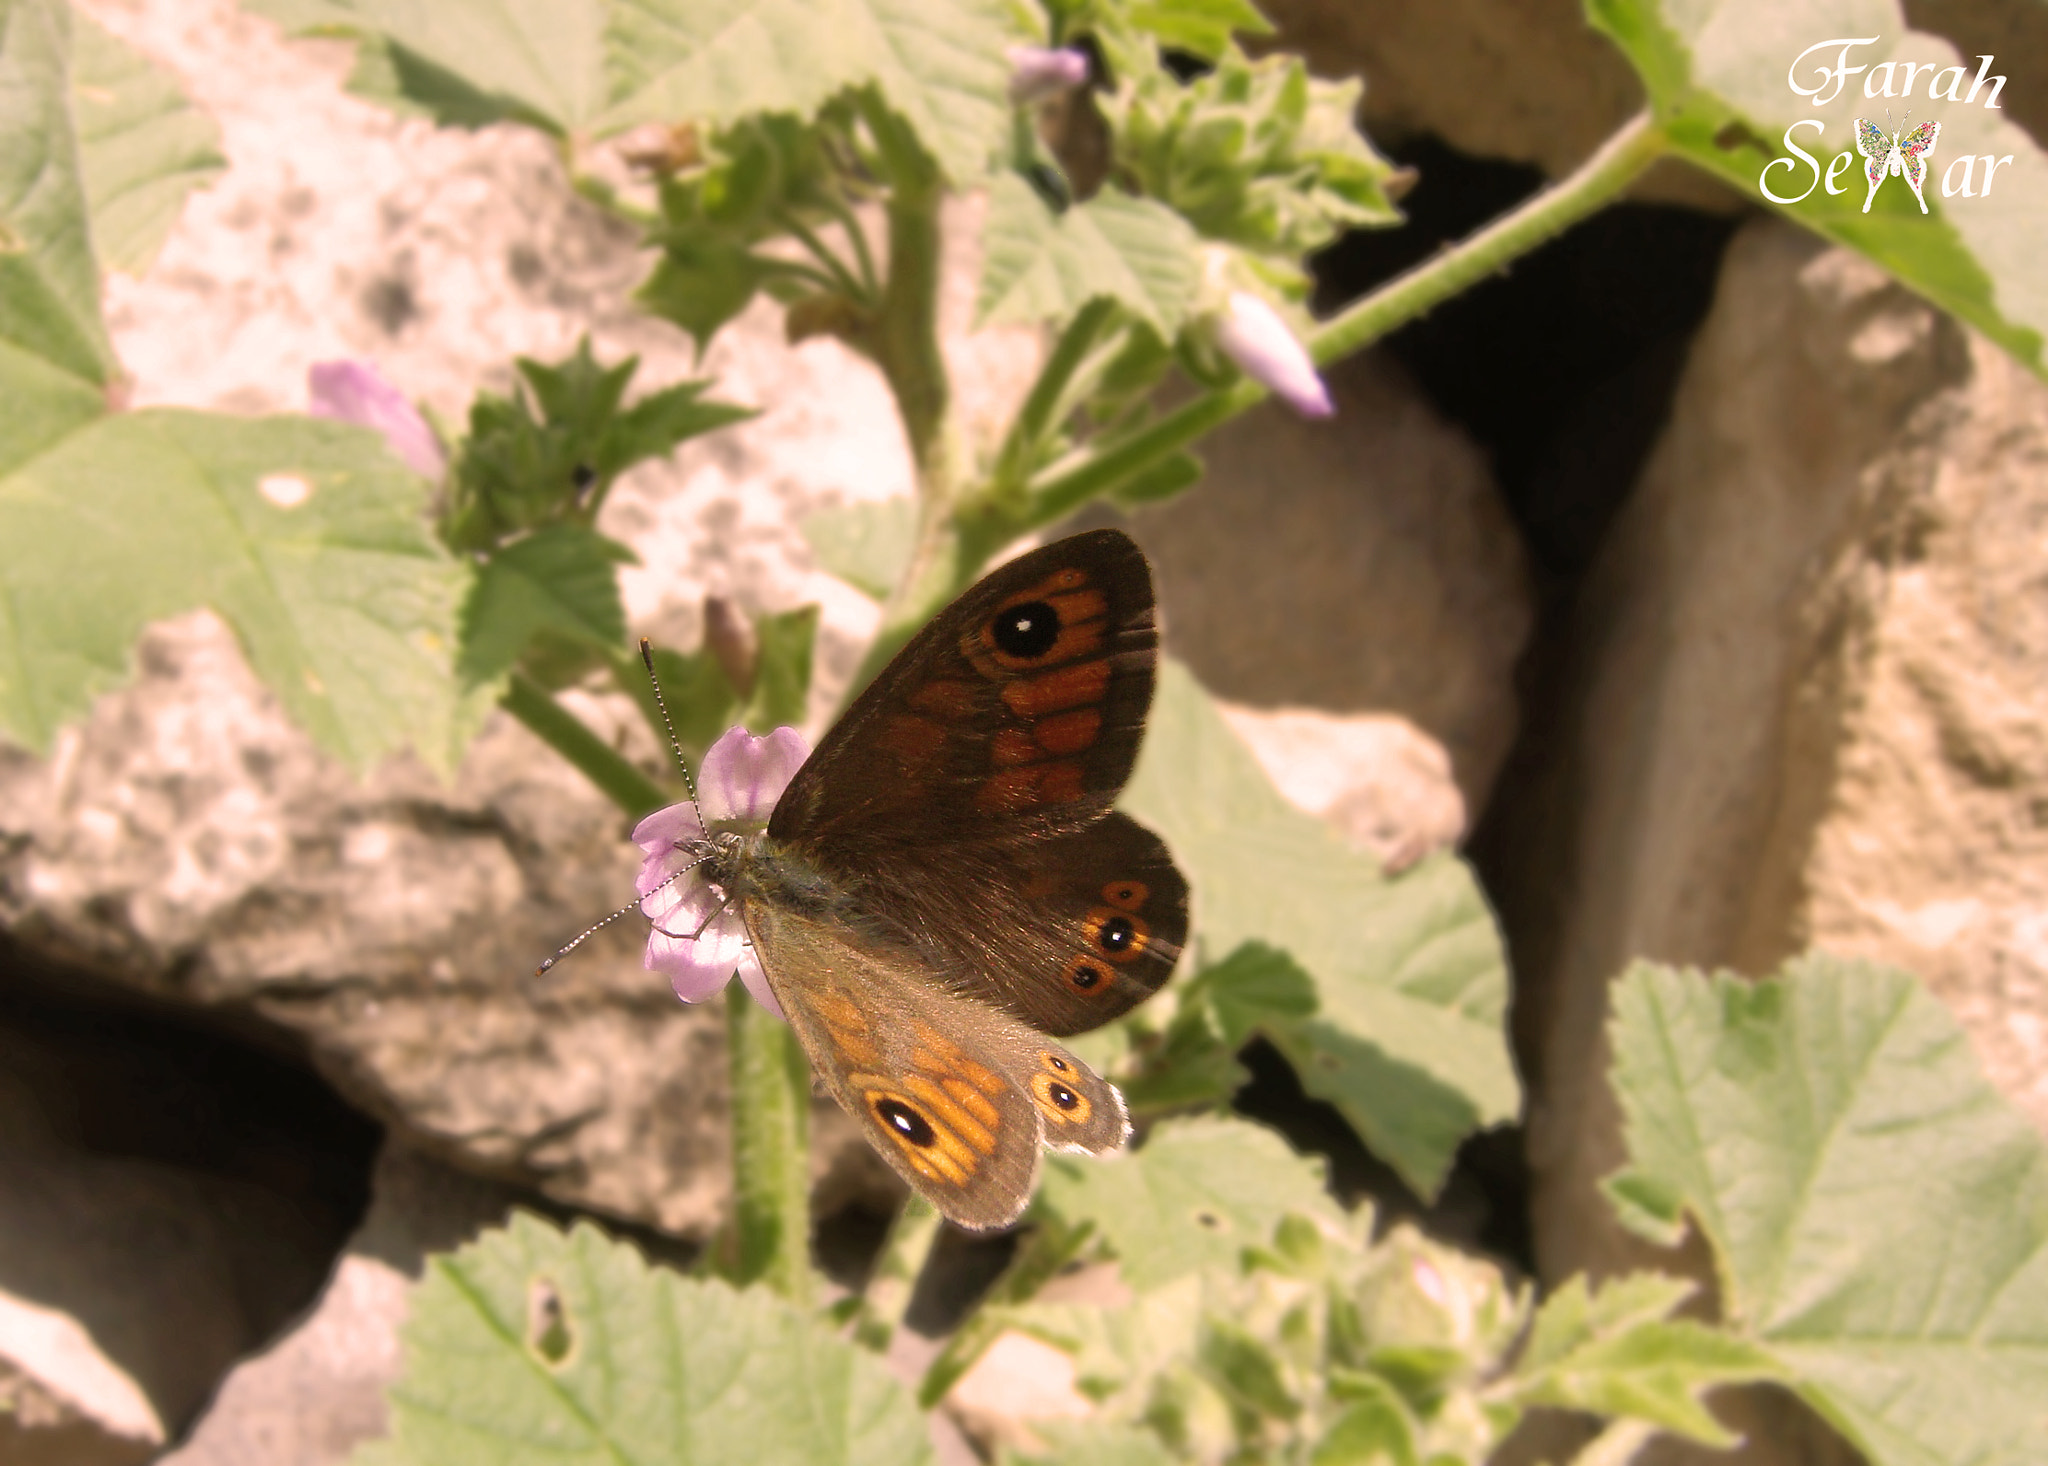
<point>628,788</point>
<point>895,1277</point>
<point>1049,391</point>
<point>863,256</point>
<point>770,1240</point>
<point>842,278</point>
<point>1044,1251</point>
<point>1596,183</point>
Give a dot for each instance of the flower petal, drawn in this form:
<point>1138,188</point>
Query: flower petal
<point>743,775</point>
<point>1251,333</point>
<point>353,391</point>
<point>698,968</point>
<point>756,980</point>
<point>661,830</point>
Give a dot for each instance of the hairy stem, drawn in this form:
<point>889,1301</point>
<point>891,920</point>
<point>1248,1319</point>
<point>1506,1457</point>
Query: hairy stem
<point>895,1276</point>
<point>1596,183</point>
<point>770,1240</point>
<point>628,788</point>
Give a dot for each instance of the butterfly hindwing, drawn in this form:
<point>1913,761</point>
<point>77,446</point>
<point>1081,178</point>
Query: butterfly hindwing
<point>955,1096</point>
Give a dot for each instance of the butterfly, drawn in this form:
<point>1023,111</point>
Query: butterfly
<point>943,886</point>
<point>1901,153</point>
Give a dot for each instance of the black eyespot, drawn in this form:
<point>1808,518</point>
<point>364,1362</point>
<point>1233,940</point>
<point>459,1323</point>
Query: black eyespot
<point>1060,1095</point>
<point>1055,1063</point>
<point>1086,977</point>
<point>1116,934</point>
<point>1027,631</point>
<point>905,1121</point>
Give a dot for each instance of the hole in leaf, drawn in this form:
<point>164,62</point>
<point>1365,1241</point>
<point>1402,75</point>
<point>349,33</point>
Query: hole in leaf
<point>547,1322</point>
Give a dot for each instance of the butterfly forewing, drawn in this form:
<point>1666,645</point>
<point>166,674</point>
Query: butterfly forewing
<point>1016,713</point>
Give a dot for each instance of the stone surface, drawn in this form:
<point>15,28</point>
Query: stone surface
<point>1807,708</point>
<point>1359,565</point>
<point>126,1285</point>
<point>1525,80</point>
<point>317,1392</point>
<point>1383,783</point>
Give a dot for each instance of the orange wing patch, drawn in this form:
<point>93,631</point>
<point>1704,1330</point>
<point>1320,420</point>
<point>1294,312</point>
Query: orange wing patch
<point>1057,1100</point>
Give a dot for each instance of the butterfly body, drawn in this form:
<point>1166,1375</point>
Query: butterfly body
<point>1897,155</point>
<point>944,884</point>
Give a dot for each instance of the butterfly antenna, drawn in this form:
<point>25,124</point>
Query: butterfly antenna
<point>674,743</point>
<point>595,928</point>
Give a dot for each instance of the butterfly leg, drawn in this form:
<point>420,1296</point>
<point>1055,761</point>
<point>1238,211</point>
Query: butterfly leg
<point>702,926</point>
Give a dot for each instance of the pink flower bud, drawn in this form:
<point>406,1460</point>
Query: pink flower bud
<point>1039,72</point>
<point>352,391</point>
<point>1251,333</point>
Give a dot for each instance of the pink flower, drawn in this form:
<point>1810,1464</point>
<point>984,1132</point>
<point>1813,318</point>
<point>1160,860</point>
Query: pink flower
<point>699,939</point>
<point>352,391</point>
<point>1251,333</point>
<point>1039,72</point>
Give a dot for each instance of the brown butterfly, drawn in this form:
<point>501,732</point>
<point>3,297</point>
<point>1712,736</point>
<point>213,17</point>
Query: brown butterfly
<point>943,882</point>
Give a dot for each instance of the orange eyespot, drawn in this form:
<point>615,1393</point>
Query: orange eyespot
<point>1059,1101</point>
<point>1086,974</point>
<point>1117,936</point>
<point>1127,895</point>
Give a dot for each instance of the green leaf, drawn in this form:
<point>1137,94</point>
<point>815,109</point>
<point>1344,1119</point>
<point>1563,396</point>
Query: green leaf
<point>550,453</point>
<point>1193,1196</point>
<point>938,64</point>
<point>49,281</point>
<point>468,63</point>
<point>1618,1353</point>
<point>1878,1212</point>
<point>1408,975</point>
<point>1200,27</point>
<point>304,535</point>
<point>533,1346</point>
<point>1094,1442</point>
<point>142,145</point>
<point>782,676</point>
<point>557,580</point>
<point>865,545</point>
<point>1256,153</point>
<point>700,284</point>
<point>1717,76</point>
<point>1039,265</point>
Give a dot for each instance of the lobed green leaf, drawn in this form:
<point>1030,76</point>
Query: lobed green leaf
<point>1039,265</point>
<point>1406,977</point>
<point>304,535</point>
<point>533,1345</point>
<point>469,63</point>
<point>1717,78</point>
<point>50,324</point>
<point>1877,1211</point>
<point>938,64</point>
<point>142,145</point>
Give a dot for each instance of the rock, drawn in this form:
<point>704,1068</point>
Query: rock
<point>1808,707</point>
<point>127,1286</point>
<point>1378,779</point>
<point>1528,82</point>
<point>1359,565</point>
<point>318,1392</point>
